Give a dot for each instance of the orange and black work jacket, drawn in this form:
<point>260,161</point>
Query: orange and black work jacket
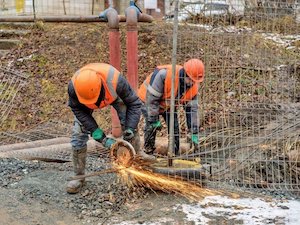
<point>155,92</point>
<point>115,91</point>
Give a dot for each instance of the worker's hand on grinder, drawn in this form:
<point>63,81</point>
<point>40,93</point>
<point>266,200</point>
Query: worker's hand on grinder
<point>128,134</point>
<point>99,136</point>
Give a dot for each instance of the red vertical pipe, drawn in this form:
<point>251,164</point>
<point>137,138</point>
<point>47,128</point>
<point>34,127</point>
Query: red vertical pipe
<point>132,47</point>
<point>114,49</point>
<point>114,58</point>
<point>132,59</point>
<point>115,61</point>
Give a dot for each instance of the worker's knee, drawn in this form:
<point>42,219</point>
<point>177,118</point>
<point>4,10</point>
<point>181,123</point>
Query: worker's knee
<point>79,136</point>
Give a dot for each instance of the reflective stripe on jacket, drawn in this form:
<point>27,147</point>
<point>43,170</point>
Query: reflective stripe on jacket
<point>109,76</point>
<point>164,103</point>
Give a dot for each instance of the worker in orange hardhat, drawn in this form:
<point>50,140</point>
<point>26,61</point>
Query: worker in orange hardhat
<point>96,86</point>
<point>155,93</point>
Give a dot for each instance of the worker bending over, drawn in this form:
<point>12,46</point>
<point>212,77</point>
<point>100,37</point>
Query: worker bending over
<point>96,86</point>
<point>155,93</point>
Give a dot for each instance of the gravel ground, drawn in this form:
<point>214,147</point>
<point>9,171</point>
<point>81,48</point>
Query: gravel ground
<point>33,192</point>
<point>45,182</point>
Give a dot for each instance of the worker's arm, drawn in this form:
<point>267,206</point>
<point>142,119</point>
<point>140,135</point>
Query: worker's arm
<point>132,102</point>
<point>192,118</point>
<point>82,113</point>
<point>154,94</point>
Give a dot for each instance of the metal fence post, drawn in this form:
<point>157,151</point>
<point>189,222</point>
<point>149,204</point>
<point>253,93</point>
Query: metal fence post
<point>172,109</point>
<point>33,8</point>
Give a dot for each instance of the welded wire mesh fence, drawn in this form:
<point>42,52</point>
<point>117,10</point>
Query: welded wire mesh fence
<point>48,130</point>
<point>10,84</point>
<point>61,7</point>
<point>48,141</point>
<point>248,104</point>
<point>51,7</point>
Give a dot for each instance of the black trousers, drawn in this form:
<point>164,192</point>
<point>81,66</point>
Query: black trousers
<point>150,133</point>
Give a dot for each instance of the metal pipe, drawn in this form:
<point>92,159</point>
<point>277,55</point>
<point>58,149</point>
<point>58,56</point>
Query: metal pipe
<point>51,151</point>
<point>172,108</point>
<point>78,19</point>
<point>132,14</point>
<point>111,15</point>
<point>72,19</point>
<point>34,144</point>
<point>145,18</point>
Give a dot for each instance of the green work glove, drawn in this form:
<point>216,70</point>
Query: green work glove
<point>156,125</point>
<point>195,139</point>
<point>98,135</point>
<point>108,142</point>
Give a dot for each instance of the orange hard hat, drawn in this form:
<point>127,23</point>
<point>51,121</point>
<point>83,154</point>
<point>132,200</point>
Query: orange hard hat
<point>194,68</point>
<point>87,84</point>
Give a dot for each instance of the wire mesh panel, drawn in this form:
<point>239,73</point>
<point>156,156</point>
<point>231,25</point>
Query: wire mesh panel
<point>43,131</point>
<point>248,103</point>
<point>50,7</point>
<point>48,141</point>
<point>10,84</point>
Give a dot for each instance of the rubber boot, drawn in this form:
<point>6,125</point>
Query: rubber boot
<point>145,157</point>
<point>79,160</point>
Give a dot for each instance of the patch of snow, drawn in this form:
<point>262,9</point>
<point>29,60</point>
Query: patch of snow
<point>158,222</point>
<point>279,39</point>
<point>251,211</point>
<point>25,58</point>
<point>283,40</point>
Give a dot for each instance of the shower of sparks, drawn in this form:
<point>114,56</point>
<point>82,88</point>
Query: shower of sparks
<point>134,176</point>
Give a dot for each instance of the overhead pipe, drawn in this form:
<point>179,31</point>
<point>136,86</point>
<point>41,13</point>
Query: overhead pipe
<point>111,15</point>
<point>71,19</point>
<point>78,19</point>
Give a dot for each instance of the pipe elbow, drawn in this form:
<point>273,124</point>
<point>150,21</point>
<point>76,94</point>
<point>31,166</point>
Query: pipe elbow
<point>132,14</point>
<point>111,15</point>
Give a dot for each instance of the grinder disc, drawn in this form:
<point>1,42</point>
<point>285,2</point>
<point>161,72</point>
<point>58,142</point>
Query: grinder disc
<point>122,153</point>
